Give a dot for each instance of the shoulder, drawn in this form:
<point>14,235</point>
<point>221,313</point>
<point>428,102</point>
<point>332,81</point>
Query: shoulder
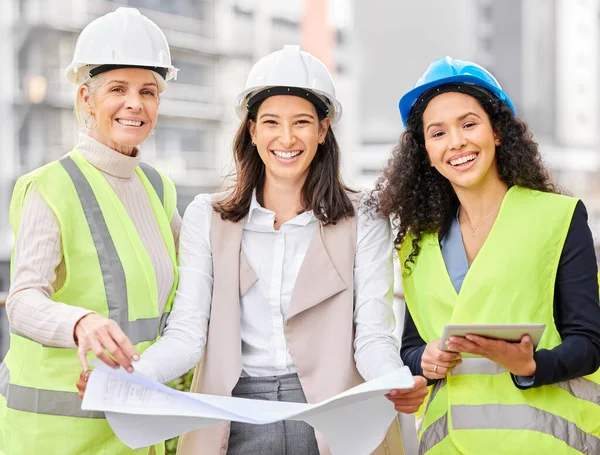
<point>540,196</point>
<point>365,209</point>
<point>579,221</point>
<point>201,205</point>
<point>370,222</point>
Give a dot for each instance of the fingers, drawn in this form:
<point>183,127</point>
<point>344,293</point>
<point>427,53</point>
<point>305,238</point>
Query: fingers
<point>460,344</point>
<point>117,352</point>
<point>99,334</point>
<point>82,356</point>
<point>436,364</point>
<point>406,394</point>
<point>82,383</point>
<point>409,406</point>
<point>408,401</point>
<point>97,346</point>
<point>406,409</point>
<point>121,340</point>
<point>437,371</point>
<point>419,390</point>
<point>434,353</point>
<point>526,343</point>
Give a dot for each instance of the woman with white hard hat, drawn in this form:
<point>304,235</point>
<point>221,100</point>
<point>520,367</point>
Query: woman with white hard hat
<point>93,267</point>
<point>485,237</point>
<point>293,277</point>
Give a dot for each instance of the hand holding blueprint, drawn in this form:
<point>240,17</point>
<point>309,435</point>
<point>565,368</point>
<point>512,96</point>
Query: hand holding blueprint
<point>142,412</point>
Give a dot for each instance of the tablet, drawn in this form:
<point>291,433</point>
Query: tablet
<point>507,332</point>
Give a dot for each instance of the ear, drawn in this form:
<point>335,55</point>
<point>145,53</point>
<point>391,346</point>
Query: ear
<point>323,128</point>
<point>84,93</point>
<point>252,129</point>
<point>497,140</point>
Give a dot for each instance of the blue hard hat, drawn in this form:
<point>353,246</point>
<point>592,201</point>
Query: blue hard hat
<point>446,70</point>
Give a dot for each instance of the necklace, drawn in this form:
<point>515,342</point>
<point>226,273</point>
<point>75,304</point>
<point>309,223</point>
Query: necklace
<point>474,229</point>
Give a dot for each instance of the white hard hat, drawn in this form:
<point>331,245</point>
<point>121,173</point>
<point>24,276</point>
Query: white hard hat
<point>123,38</point>
<point>292,71</point>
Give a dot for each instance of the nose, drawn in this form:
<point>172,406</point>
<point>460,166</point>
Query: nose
<point>134,102</point>
<point>457,139</point>
<point>287,137</point>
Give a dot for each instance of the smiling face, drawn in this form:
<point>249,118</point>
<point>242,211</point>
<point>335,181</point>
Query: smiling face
<point>287,133</point>
<point>124,108</point>
<point>460,141</point>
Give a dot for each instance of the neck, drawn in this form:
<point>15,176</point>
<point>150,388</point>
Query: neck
<point>282,197</point>
<point>122,149</point>
<point>478,203</point>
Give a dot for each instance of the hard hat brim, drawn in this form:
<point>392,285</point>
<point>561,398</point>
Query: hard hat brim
<point>74,70</point>
<point>408,99</point>
<point>241,109</point>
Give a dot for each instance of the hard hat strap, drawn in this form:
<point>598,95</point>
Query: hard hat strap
<point>104,68</point>
<point>294,91</point>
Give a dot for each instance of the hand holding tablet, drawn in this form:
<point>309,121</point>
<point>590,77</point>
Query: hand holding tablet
<point>506,332</point>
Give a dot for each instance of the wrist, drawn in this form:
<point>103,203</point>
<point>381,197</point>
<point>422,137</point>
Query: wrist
<point>528,369</point>
<point>77,328</point>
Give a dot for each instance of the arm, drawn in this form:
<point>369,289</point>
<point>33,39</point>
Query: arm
<point>576,311</point>
<point>176,228</point>
<point>184,338</point>
<point>413,345</point>
<point>376,348</point>
<point>37,255</point>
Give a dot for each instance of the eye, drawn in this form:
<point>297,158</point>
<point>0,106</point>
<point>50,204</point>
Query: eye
<point>270,122</point>
<point>302,122</point>
<point>117,89</point>
<point>437,134</point>
<point>469,125</point>
<point>148,92</point>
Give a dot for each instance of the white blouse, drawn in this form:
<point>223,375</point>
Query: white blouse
<point>276,257</point>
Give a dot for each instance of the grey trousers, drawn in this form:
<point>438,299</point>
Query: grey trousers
<point>281,438</point>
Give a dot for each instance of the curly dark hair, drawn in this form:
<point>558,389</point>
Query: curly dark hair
<point>420,200</point>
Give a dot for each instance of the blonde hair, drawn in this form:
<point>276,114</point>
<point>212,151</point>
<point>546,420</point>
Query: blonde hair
<point>94,83</point>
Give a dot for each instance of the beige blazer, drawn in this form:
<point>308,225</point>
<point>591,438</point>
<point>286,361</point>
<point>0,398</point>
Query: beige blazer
<point>319,328</point>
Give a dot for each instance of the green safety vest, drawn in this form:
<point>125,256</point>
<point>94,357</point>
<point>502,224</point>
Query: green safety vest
<point>108,270</point>
<point>477,409</point>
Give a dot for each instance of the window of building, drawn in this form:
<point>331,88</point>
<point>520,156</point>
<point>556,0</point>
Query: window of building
<point>486,12</point>
<point>284,22</point>
<point>192,73</point>
<point>195,145</point>
<point>243,12</point>
<point>196,9</point>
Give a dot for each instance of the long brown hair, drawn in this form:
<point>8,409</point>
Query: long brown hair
<point>324,192</point>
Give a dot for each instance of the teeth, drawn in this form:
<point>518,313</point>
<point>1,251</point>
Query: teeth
<point>463,160</point>
<point>130,122</point>
<point>282,154</point>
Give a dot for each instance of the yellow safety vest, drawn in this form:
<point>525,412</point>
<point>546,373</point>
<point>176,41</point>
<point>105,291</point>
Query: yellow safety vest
<point>108,270</point>
<point>477,409</point>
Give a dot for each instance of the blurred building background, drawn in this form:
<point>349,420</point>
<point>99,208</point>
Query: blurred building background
<point>545,53</point>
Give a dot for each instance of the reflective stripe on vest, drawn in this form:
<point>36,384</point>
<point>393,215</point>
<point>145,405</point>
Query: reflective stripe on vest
<point>115,284</point>
<point>155,180</point>
<point>434,433</point>
<point>157,183</point>
<point>509,417</point>
<point>581,388</point>
<point>40,401</point>
<point>512,417</point>
<point>52,402</point>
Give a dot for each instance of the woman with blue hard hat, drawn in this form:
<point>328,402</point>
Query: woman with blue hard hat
<point>485,237</point>
<point>93,267</point>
